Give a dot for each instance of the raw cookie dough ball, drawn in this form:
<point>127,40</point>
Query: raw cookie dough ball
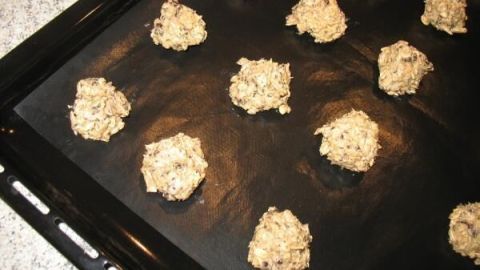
<point>98,109</point>
<point>261,85</point>
<point>464,233</point>
<point>178,27</point>
<point>446,15</point>
<point>174,166</point>
<point>402,67</point>
<point>280,242</point>
<point>350,141</point>
<point>323,19</point>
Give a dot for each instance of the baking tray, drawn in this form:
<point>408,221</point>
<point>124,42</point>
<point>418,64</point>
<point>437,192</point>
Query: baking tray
<point>394,216</point>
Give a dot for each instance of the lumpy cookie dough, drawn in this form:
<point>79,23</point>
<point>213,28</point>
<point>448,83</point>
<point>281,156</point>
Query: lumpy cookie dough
<point>464,232</point>
<point>178,27</point>
<point>323,19</point>
<point>261,85</point>
<point>174,166</point>
<point>402,67</point>
<point>98,109</point>
<point>446,15</point>
<point>350,141</point>
<point>280,242</point>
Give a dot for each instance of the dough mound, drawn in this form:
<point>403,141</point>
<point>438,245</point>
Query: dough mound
<point>402,67</point>
<point>98,109</point>
<point>178,27</point>
<point>261,85</point>
<point>174,166</point>
<point>350,141</point>
<point>323,19</point>
<point>280,242</point>
<point>446,15</point>
<point>464,232</point>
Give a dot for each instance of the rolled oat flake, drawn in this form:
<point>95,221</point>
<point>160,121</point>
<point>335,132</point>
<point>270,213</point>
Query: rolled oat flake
<point>280,242</point>
<point>174,166</point>
<point>98,109</point>
<point>178,27</point>
<point>446,15</point>
<point>464,231</point>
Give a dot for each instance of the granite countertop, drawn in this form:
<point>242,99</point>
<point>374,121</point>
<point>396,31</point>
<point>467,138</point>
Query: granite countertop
<point>21,247</point>
<point>21,18</point>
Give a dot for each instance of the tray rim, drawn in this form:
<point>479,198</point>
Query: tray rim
<point>122,236</point>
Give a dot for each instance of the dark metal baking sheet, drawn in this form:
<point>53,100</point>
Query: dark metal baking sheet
<point>395,215</point>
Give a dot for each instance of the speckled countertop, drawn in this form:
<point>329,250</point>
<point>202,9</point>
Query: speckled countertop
<point>20,246</point>
<point>23,248</point>
<point>21,18</point>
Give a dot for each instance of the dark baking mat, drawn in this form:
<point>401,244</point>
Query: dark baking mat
<point>395,216</point>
